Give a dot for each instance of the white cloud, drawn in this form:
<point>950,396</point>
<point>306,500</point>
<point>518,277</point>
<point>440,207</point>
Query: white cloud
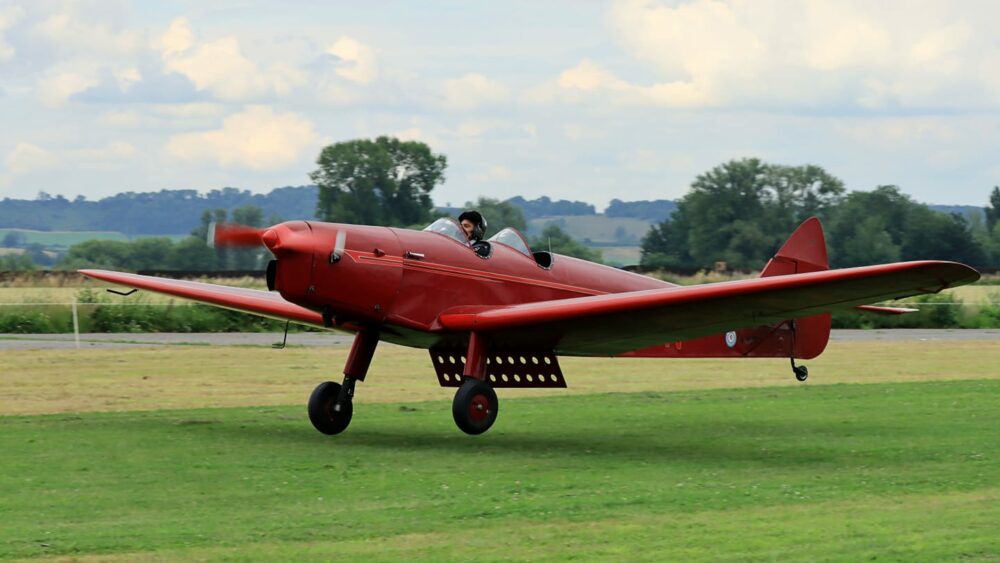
<point>219,66</point>
<point>76,34</point>
<point>116,150</point>
<point>9,15</point>
<point>410,134</point>
<point>26,157</point>
<point>358,60</point>
<point>473,90</point>
<point>256,138</point>
<point>587,76</point>
<point>494,173</point>
<point>177,38</point>
<point>58,85</point>
<point>824,53</point>
<point>898,132</point>
<point>479,127</point>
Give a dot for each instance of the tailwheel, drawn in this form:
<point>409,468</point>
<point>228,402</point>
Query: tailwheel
<point>324,412</point>
<point>475,406</point>
<point>801,372</point>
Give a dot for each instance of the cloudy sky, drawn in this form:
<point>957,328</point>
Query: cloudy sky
<point>576,99</point>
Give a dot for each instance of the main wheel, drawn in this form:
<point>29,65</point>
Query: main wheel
<point>321,411</point>
<point>475,406</point>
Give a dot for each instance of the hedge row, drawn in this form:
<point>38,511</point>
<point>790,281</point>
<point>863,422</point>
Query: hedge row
<point>99,315</point>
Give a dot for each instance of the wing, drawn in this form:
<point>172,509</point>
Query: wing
<point>613,324</point>
<point>255,301</point>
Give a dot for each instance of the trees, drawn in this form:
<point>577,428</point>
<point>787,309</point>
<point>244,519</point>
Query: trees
<point>993,209</point>
<point>377,182</point>
<point>885,225</point>
<point>740,212</point>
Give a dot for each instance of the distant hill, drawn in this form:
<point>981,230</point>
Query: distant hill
<point>963,210</point>
<point>595,230</point>
<point>656,210</point>
<point>545,207</point>
<point>167,212</point>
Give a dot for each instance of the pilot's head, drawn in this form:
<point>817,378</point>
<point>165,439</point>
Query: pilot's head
<point>474,225</point>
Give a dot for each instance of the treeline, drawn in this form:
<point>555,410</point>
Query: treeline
<point>740,213</point>
<point>193,253</point>
<point>650,210</point>
<point>160,253</point>
<point>547,207</point>
<point>150,213</point>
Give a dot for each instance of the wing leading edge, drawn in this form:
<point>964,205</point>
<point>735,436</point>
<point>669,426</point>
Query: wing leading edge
<point>255,301</point>
<point>613,324</point>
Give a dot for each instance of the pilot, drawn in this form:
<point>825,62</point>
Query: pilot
<point>474,225</point>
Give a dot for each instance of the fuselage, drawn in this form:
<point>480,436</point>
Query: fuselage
<point>402,280</point>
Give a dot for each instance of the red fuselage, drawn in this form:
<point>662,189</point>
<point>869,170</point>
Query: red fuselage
<point>403,279</point>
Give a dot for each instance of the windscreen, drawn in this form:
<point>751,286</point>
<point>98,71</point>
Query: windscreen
<point>448,227</point>
<point>513,239</point>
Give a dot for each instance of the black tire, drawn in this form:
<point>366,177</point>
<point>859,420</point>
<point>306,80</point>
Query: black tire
<point>475,406</point>
<point>321,413</point>
<point>801,373</point>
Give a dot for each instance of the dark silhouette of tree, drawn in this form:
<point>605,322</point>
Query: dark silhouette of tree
<point>383,181</point>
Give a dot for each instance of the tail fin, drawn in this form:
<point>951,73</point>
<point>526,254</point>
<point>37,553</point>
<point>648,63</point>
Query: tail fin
<point>804,251</point>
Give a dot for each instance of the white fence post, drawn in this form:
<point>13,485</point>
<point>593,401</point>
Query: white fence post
<point>76,324</point>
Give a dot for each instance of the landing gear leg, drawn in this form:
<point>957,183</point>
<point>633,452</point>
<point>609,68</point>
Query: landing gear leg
<point>475,406</point>
<point>331,404</point>
<point>801,372</point>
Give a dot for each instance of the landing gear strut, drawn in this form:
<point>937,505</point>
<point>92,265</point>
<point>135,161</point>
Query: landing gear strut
<point>475,405</point>
<point>331,405</point>
<point>801,372</point>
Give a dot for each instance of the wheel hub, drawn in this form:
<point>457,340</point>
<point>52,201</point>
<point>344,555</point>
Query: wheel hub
<point>479,408</point>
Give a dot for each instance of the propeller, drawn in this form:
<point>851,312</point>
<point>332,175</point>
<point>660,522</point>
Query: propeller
<point>232,235</point>
<point>284,241</point>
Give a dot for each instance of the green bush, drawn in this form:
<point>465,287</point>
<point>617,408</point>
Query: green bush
<point>20,321</point>
<point>935,311</point>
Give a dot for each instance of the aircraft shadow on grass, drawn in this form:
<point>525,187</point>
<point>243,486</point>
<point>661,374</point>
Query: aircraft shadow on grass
<point>770,443</point>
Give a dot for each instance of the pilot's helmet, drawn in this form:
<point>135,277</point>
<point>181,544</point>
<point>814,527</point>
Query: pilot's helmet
<point>478,221</point>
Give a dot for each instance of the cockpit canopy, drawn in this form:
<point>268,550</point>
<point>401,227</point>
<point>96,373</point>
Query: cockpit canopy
<point>507,237</point>
<point>512,238</point>
<point>449,228</point>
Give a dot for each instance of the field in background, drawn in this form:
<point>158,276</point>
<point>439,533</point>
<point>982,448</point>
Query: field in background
<point>65,239</point>
<point>25,309</point>
<point>201,453</point>
<point>595,228</point>
<point>62,289</point>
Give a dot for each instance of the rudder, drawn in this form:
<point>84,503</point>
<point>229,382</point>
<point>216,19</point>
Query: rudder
<point>804,251</point>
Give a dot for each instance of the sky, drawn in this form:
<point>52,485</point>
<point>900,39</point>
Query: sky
<point>582,100</point>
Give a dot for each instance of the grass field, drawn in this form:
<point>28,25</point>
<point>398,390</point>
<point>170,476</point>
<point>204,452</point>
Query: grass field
<point>969,294</point>
<point>890,451</point>
<point>63,238</point>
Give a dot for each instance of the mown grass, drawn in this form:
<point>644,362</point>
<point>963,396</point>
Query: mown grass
<point>59,381</point>
<point>898,471</point>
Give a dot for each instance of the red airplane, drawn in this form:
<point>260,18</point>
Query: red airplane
<point>497,314</point>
